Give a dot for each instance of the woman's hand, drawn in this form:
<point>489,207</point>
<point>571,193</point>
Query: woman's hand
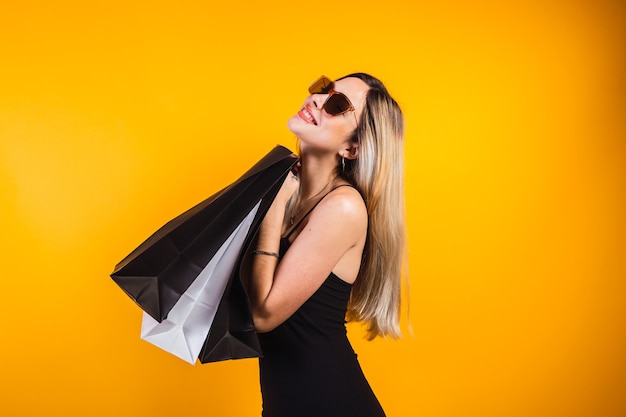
<point>289,187</point>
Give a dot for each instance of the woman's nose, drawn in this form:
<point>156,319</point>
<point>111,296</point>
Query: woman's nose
<point>318,100</point>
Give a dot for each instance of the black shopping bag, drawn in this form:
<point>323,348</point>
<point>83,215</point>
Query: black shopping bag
<point>159,271</point>
<point>232,334</point>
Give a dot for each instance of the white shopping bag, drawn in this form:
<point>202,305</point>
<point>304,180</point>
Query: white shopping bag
<point>187,325</point>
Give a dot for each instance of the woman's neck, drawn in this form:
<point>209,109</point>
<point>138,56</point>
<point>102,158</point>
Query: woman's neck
<point>315,175</point>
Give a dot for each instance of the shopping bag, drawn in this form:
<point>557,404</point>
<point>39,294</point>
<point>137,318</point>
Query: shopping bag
<point>161,269</point>
<point>232,335</point>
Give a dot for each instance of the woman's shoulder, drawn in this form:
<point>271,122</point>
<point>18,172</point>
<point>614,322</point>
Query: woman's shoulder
<point>344,201</point>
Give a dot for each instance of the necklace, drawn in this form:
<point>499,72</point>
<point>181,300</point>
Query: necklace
<point>293,216</point>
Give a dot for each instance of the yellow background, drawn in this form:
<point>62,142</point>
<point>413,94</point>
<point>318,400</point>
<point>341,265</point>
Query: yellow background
<point>117,116</point>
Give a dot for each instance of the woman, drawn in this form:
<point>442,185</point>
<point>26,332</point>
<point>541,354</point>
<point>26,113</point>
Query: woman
<point>331,246</point>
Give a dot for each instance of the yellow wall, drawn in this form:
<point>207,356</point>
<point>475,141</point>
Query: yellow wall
<point>115,117</point>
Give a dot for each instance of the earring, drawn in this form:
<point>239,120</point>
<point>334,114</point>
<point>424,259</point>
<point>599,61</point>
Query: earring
<point>343,164</point>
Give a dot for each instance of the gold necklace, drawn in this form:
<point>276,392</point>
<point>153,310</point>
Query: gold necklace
<point>293,216</point>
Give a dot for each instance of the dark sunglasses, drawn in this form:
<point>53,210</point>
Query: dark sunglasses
<point>337,103</point>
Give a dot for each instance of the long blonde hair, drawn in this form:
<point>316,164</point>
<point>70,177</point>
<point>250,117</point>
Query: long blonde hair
<point>378,174</point>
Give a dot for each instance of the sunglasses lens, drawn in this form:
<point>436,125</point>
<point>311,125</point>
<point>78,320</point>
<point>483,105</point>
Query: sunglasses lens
<point>321,86</point>
<point>337,104</point>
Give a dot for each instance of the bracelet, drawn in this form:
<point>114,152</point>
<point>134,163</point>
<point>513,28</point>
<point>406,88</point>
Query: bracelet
<point>263,252</point>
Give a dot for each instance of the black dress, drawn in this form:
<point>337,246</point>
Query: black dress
<point>308,366</point>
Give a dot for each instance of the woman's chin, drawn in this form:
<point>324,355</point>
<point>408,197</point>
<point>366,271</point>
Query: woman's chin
<point>295,124</point>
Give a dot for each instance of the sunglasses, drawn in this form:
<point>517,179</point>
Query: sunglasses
<point>337,103</point>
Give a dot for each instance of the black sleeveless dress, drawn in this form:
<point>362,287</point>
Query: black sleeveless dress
<point>309,368</point>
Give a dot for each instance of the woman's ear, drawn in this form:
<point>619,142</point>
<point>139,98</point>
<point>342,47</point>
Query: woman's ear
<point>352,152</point>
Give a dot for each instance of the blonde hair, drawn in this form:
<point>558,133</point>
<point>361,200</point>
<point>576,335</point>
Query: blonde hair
<point>378,175</point>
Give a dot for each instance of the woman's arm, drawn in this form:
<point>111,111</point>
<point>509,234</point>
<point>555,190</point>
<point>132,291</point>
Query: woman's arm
<point>333,237</point>
<point>263,266</point>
